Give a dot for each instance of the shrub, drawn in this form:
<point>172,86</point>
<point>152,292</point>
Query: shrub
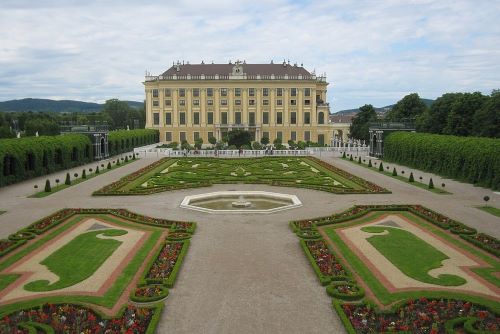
<point>48,188</point>
<point>75,175</point>
<point>350,158</point>
<point>411,179</point>
<point>126,158</point>
<point>124,140</point>
<point>97,170</point>
<point>84,174</point>
<point>394,173</point>
<point>381,167</point>
<point>109,165</point>
<point>68,179</point>
<point>359,160</point>
<point>431,184</point>
<point>343,155</point>
<point>370,163</point>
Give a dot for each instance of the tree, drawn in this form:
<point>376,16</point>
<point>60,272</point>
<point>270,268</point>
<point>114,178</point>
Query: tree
<point>460,119</point>
<point>361,122</point>
<point>301,145</point>
<point>48,188</point>
<point>411,179</point>
<point>291,144</point>
<point>84,174</point>
<point>256,145</point>
<point>431,184</point>
<point>277,141</point>
<point>118,111</point>
<point>394,172</point>
<point>109,165</point>
<point>239,138</point>
<point>381,167</point>
<point>409,107</point>
<point>434,119</point>
<point>486,121</point>
<point>212,140</point>
<point>198,143</point>
<point>68,179</point>
<point>264,140</point>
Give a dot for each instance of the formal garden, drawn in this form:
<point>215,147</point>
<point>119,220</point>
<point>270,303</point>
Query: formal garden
<point>299,172</point>
<point>404,268</point>
<point>90,271</point>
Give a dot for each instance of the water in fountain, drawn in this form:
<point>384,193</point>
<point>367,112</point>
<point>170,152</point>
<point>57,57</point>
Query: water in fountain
<point>241,203</point>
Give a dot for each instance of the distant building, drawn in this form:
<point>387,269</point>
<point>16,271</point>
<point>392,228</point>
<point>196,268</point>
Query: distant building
<point>191,101</point>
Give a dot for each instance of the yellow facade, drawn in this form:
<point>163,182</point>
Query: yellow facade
<point>199,106</point>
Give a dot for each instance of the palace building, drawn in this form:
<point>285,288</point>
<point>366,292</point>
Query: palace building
<point>191,101</point>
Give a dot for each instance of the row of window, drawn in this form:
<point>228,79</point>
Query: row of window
<point>237,118</point>
<point>224,102</point>
<point>196,136</point>
<point>237,92</point>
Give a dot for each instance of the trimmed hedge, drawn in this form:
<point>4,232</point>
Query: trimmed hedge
<point>125,140</point>
<point>25,158</point>
<point>470,159</point>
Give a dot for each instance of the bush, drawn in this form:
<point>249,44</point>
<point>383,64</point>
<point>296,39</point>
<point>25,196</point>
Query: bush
<point>48,188</point>
<point>359,160</point>
<point>84,174</point>
<point>411,179</point>
<point>256,145</point>
<point>369,162</point>
<point>431,184</point>
<point>381,167</point>
<point>126,159</point>
<point>97,170</point>
<point>350,158</point>
<point>470,159</point>
<point>343,155</point>
<point>109,165</point>
<point>68,179</point>
<point>394,173</point>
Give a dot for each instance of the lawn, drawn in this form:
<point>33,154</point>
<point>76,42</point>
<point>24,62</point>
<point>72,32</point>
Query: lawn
<point>490,209</point>
<point>300,172</point>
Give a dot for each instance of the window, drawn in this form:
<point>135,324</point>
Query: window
<point>307,91</point>
<point>196,118</point>
<point>223,102</point>
<point>168,118</point>
<point>279,91</point>
<point>237,92</point>
<point>210,92</point>
<point>251,102</point>
<point>265,134</point>
<point>210,102</point>
<point>293,135</point>
<point>196,135</point>
<point>293,91</point>
<point>293,117</point>
<point>155,92</point>
<point>182,102</point>
<point>307,102</point>
<point>251,91</point>
<point>279,102</point>
<point>265,91</point>
<point>182,92</point>
<point>196,102</point>
<point>279,118</point>
<point>265,117</point>
<point>168,93</point>
<point>321,118</point>
<point>196,92</point>
<point>168,103</point>
<point>237,117</point>
<point>293,102</point>
<point>307,135</point>
<point>251,118</point>
<point>237,102</point>
<point>210,118</point>
<point>168,136</point>
<point>265,102</point>
<point>223,116</point>
<point>210,135</point>
<point>182,118</point>
<point>156,118</point>
<point>156,103</point>
<point>307,118</point>
<point>223,92</point>
<point>182,136</point>
<point>279,135</point>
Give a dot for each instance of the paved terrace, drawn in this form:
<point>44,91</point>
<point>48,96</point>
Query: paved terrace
<point>246,273</point>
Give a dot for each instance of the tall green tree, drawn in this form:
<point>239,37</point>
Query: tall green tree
<point>239,138</point>
<point>460,119</point>
<point>361,122</point>
<point>409,107</point>
<point>434,119</point>
<point>118,111</point>
<point>486,121</point>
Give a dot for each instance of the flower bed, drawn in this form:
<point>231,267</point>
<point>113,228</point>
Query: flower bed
<point>484,241</point>
<point>347,291</point>
<point>70,318</point>
<point>326,265</point>
<point>308,234</point>
<point>149,293</point>
<point>417,316</point>
<point>166,264</point>
<point>22,235</point>
<point>7,246</point>
<point>176,236</point>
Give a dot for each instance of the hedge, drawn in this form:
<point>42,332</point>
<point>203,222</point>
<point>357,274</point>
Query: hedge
<point>470,159</point>
<point>25,158</point>
<point>125,140</point>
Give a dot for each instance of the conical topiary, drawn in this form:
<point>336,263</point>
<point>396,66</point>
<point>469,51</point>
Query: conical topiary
<point>370,163</point>
<point>97,170</point>
<point>109,165</point>
<point>343,155</point>
<point>431,184</point>
<point>48,188</point>
<point>359,160</point>
<point>381,167</point>
<point>68,179</point>
<point>394,173</point>
<point>126,158</point>
<point>411,179</point>
<point>350,158</point>
<point>84,174</point>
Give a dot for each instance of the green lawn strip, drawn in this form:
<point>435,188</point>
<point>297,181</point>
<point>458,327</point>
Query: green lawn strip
<point>384,296</point>
<point>78,259</point>
<point>401,178</point>
<point>74,182</point>
<point>5,280</point>
<point>490,209</point>
<point>109,299</point>
<point>399,245</point>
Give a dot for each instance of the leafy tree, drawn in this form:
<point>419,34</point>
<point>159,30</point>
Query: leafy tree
<point>486,121</point>
<point>434,119</point>
<point>118,111</point>
<point>277,141</point>
<point>291,144</point>
<point>361,122</point>
<point>462,111</point>
<point>409,107</point>
<point>256,145</point>
<point>198,143</point>
<point>264,140</point>
<point>185,145</point>
<point>212,140</point>
<point>301,145</point>
<point>239,138</point>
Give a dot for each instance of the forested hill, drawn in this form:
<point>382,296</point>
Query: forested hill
<point>56,106</point>
<point>427,102</point>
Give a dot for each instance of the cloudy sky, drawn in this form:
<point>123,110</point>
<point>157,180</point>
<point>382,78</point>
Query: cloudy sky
<point>372,51</point>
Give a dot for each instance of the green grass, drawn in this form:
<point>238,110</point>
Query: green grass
<point>2,212</point>
<point>412,255</point>
<point>78,259</point>
<point>383,295</point>
<point>402,178</point>
<point>79,180</point>
<point>490,209</point>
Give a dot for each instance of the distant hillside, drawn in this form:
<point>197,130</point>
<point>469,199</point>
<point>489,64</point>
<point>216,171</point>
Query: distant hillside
<point>427,102</point>
<point>56,106</point>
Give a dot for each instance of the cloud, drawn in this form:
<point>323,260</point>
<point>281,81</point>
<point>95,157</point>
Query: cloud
<point>372,51</point>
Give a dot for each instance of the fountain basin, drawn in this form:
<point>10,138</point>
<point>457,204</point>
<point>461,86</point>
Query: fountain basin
<point>241,202</point>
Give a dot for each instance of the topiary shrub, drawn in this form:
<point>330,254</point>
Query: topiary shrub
<point>126,158</point>
<point>48,188</point>
<point>359,160</point>
<point>411,179</point>
<point>394,173</point>
<point>350,158</point>
<point>109,165</point>
<point>97,170</point>
<point>381,167</point>
<point>68,179</point>
<point>431,184</point>
<point>370,163</point>
<point>343,155</point>
<point>84,174</point>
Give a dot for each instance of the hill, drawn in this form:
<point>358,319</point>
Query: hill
<point>61,106</point>
<point>427,102</point>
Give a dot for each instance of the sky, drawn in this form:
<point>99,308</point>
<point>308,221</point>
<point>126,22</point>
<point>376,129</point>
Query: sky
<point>373,52</point>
